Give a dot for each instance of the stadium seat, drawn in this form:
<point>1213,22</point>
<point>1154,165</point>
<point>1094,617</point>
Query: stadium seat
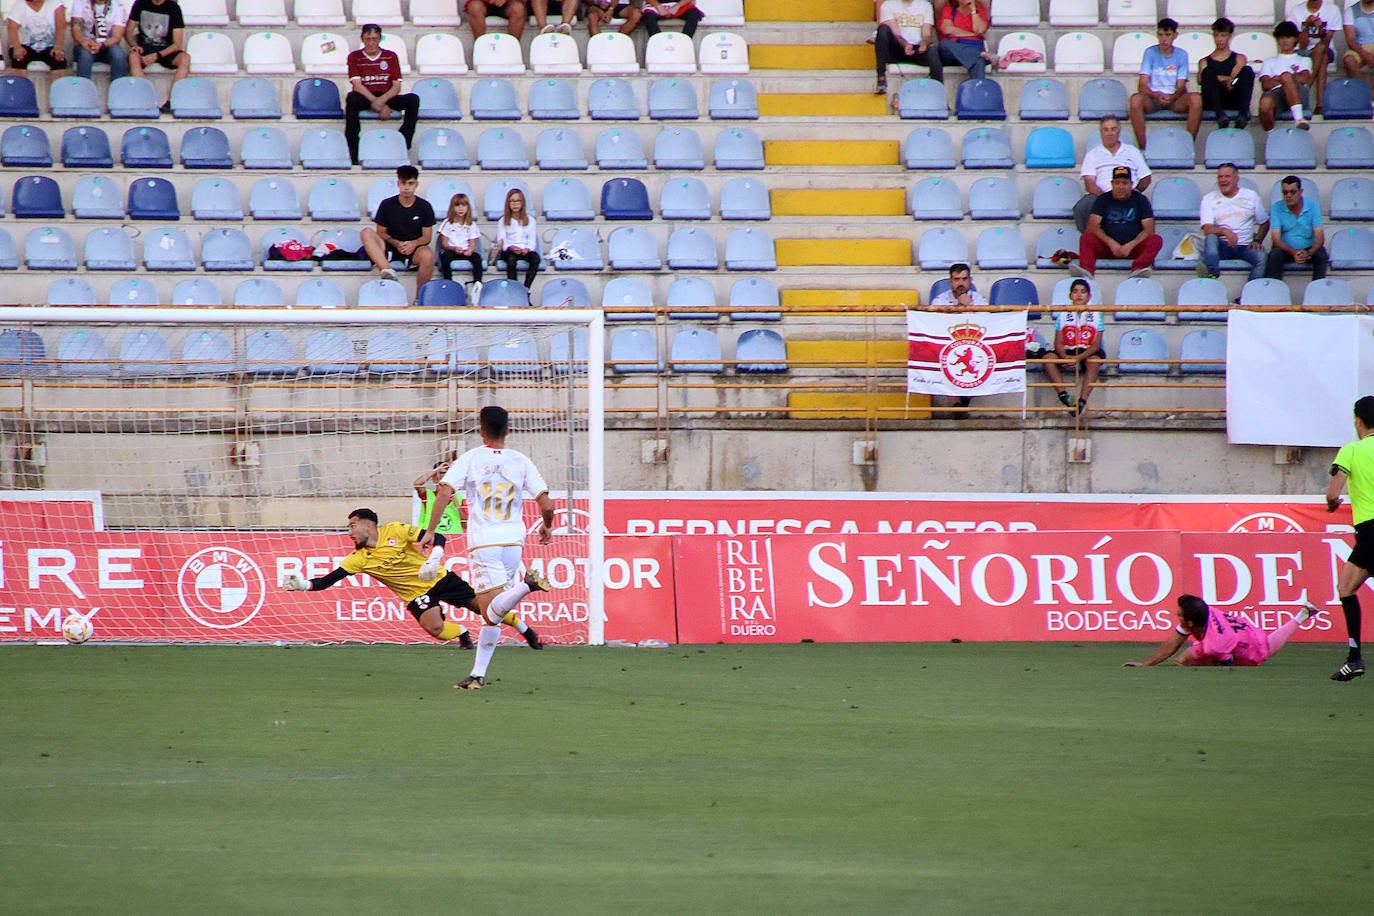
<point>226,249</point>
<point>634,350</point>
<point>693,293</point>
<point>438,100</point>
<point>1172,148</point>
<point>269,353</point>
<point>384,149</point>
<point>979,100</point>
<point>497,54</point>
<point>347,239</point>
<point>70,291</point>
<point>1142,351</point>
<point>86,147</point>
<point>315,98</point>
<point>611,99</point>
<point>632,248</point>
<point>503,293</point>
<point>1000,248</point>
<point>37,197</point>
<point>446,353</point>
<point>560,148</point>
<point>145,353</point>
<point>1100,97</point>
<point>1014,291</point>
<point>196,292</point>
<point>429,13</point>
<point>1052,240</point>
<point>82,352</point>
<point>168,249</point>
<point>1256,46</point>
<point>132,291</point>
<point>745,198</point>
<point>22,353</point>
<point>25,146</point>
<point>324,53</point>
<point>669,52</point>
<point>1022,41</point>
<point>686,199</point>
<point>9,255</point>
<point>382,12</point>
<point>109,248</point>
<point>722,12</point>
<point>132,97</point>
<point>49,248</point>
<point>153,198</point>
<point>76,97</point>
<point>611,53</point>
<point>1131,13</point>
<point>1229,145</point>
<point>922,99</point>
<point>564,292</point>
<point>690,248</point>
<point>97,197</point>
<point>758,299</point>
<point>494,100</point>
<point>1349,148</point>
<point>18,98</point>
<point>733,99</point>
<point>627,293</point>
<point>1289,148</point>
<point>442,148</point>
<point>1199,346</point>
<point>274,198</point>
<point>553,54</point>
<point>329,353</point>
<point>671,98</point>
<point>440,54</point>
<point>259,292</point>
<point>1351,249</point>
<point>1176,198</point>
<point>261,13</point>
<point>1328,291</point>
<point>986,148</point>
<point>277,237</point>
<point>494,196</point>
<point>620,148</point>
<point>145,148</point>
<point>1050,148</point>
<point>442,293</point>
<point>1137,292</point>
<point>723,52</point>
<point>322,148</point>
<point>254,97</point>
<point>553,100</point>
<point>320,293</point>
<point>738,148</point>
<point>196,98</point>
<point>382,294</point>
<point>211,53</point>
<point>941,247</point>
<point>928,148</point>
<point>575,248</point>
<point>514,353</point>
<point>750,249</point>
<point>1042,99</point>
<point>502,148</point>
<point>206,12</point>
<point>1079,52</point>
<point>1203,291</point>
<point>205,352</point>
<point>205,148</point>
<point>332,199</point>
<point>1352,199</point>
<point>266,52</point>
<point>1072,13</point>
<point>567,199</point>
<point>993,198</point>
<point>1017,13</point>
<point>1054,198</point>
<point>1266,293</point>
<point>265,148</point>
<point>696,350</point>
<point>559,352</point>
<point>678,148</point>
<point>1128,50</point>
<point>1347,99</point>
<point>937,199</point>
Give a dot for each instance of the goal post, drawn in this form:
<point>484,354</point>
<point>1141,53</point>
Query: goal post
<point>237,441</point>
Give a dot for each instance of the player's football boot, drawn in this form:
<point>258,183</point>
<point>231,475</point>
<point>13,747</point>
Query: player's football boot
<point>470,683</point>
<point>1349,671</point>
<point>536,581</point>
<point>465,640</point>
<point>532,638</point>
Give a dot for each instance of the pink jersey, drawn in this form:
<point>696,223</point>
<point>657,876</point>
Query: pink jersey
<point>1230,636</point>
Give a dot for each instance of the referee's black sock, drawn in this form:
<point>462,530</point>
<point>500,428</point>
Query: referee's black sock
<point>1350,604</point>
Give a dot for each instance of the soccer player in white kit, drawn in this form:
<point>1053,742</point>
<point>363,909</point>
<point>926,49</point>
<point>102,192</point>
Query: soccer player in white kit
<point>495,481</point>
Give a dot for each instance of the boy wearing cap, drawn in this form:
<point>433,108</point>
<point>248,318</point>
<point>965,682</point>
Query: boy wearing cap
<point>375,75</point>
<point>1121,225</point>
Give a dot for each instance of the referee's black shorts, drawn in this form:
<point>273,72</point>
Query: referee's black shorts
<point>451,589</point>
<point>1363,554</point>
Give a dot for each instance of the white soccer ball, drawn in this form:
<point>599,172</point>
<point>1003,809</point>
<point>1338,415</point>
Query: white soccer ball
<point>77,629</point>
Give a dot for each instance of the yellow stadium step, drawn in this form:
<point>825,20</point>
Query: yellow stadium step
<point>811,57</point>
<point>831,152</point>
<point>803,299</point>
<point>807,11</point>
<point>838,202</point>
<point>877,405</point>
<point>822,104</point>
<point>846,252</point>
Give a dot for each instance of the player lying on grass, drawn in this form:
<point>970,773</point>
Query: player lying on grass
<point>389,554</point>
<point>1220,639</point>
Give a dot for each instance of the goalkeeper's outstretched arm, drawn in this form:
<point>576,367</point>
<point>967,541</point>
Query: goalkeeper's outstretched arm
<point>295,582</point>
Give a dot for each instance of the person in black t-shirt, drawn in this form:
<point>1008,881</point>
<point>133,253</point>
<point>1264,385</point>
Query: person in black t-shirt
<point>1121,225</point>
<point>157,34</point>
<point>405,225</point>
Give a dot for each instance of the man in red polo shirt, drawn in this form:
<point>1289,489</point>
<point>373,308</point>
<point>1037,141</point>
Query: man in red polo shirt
<point>375,75</point>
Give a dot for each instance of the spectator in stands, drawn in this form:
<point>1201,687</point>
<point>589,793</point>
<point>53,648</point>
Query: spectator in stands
<point>906,35</point>
<point>1077,343</point>
<point>686,10</point>
<point>98,36</point>
<point>540,10</point>
<point>1163,83</point>
<point>37,31</point>
<point>1225,80</point>
<point>1295,232</point>
<point>405,226</point>
<point>1233,225</point>
<point>374,73</point>
<point>1121,225</point>
<point>1099,163</point>
<point>1285,79</point>
<point>517,238</point>
<point>963,25</point>
<point>960,296</point>
<point>515,12</point>
<point>604,13</point>
<point>458,238</point>
<point>1318,22</point>
<point>1358,24</point>
<point>157,33</point>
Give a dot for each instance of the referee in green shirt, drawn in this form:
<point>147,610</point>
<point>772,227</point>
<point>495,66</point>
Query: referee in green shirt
<point>1354,468</point>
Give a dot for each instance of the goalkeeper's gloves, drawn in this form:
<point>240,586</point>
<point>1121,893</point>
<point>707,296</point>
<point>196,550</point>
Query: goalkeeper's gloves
<point>430,570</point>
<point>295,582</point>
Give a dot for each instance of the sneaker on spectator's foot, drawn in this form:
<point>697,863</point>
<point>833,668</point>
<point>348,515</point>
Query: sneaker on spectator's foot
<point>546,30</point>
<point>881,87</point>
<point>536,581</point>
<point>1242,121</point>
<point>1066,400</point>
<point>1203,271</point>
<point>872,37</point>
<point>388,274</point>
<point>563,28</point>
<point>1142,272</point>
<point>1082,407</point>
<point>1304,124</point>
<point>1349,671</point>
<point>470,683</point>
<point>475,292</point>
<point>1078,270</point>
<point>532,638</point>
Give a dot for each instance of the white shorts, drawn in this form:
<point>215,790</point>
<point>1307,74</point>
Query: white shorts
<point>493,568</point>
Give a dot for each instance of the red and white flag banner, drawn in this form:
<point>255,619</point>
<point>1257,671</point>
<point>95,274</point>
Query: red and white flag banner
<point>969,353</point>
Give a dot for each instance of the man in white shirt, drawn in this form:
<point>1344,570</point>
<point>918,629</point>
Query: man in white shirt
<point>98,36</point>
<point>1318,21</point>
<point>1234,222</point>
<point>1098,164</point>
<point>906,35</point>
<point>959,295</point>
<point>1285,79</point>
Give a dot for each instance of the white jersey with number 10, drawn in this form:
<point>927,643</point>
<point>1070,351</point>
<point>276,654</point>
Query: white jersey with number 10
<point>496,483</point>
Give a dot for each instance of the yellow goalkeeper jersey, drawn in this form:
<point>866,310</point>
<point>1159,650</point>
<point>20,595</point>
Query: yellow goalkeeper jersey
<point>395,561</point>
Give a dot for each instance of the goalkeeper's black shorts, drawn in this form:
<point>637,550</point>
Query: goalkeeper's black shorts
<point>451,589</point>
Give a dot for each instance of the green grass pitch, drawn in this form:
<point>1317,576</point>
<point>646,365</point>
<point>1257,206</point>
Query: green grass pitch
<point>929,778</point>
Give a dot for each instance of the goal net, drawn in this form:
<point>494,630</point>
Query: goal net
<point>162,472</point>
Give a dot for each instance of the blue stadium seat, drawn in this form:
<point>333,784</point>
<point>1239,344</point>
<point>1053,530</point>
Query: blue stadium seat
<point>691,293</point>
<point>1054,198</point>
<point>1309,190</point>
<point>86,147</point>
<point>1289,148</point>
<point>9,255</point>
<point>750,249</point>
<point>1172,237</point>
<point>274,198</point>
<point>673,98</point>
<point>206,352</point>
<point>632,248</point>
<point>74,97</point>
<point>560,148</point>
<point>733,99</point>
<point>25,146</point>
<point>18,98</point>
<point>168,249</point>
<point>196,292</point>
<point>145,148</point>
<point>696,350</point>
<point>1352,199</point>
<point>269,353</point>
<point>153,198</point>
<point>993,198</point>
<point>391,351</point>
<point>504,293</point>
<point>1139,293</point>
<point>1265,292</point>
<point>1202,345</point>
<point>986,148</point>
<point>442,148</point>
<point>502,148</point>
<point>205,148</point>
<point>97,197</point>
<point>627,293</point>
<point>1014,291</point>
<point>612,99</point>
<point>1229,145</point>
<point>1176,198</point>
<point>634,350</point>
<point>928,148</point>
<point>382,294</point>
<point>70,291</point>
<point>438,100</point>
<point>441,293</point>
<point>979,100</point>
<point>625,199</point>
<point>1351,249</point>
<point>320,293</point>
<point>216,198</point>
<point>1172,148</point>
<point>575,248</point>
<point>322,148</point>
<point>923,99</point>
<point>82,352</point>
<point>553,99</point>
<point>559,352</point>
<point>1000,248</point>
<point>1347,99</point>
<point>383,149</point>
<point>568,199</point>
<point>333,199</point>
<point>132,97</point>
<point>678,148</point>
<point>690,248</point>
<point>254,97</point>
<point>941,247</point>
<point>1328,291</point>
<point>739,148</point>
<point>37,197</point>
<point>447,352</point>
<point>1052,240</point>
<point>258,291</point>
<point>1050,148</point>
<point>620,148</point>
<point>145,353</point>
<point>1138,345</point>
<point>1349,148</point>
<point>196,98</point>
<point>494,100</point>
<point>1044,99</point>
<point>1100,97</point>
<point>751,293</point>
<point>1207,291</point>
<point>316,98</point>
<point>267,148</point>
<point>684,198</point>
<point>132,291</point>
<point>278,237</point>
<point>514,353</point>
<point>745,198</point>
<point>226,249</point>
<point>494,196</point>
<point>110,249</point>
<point>329,353</point>
<point>565,292</point>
